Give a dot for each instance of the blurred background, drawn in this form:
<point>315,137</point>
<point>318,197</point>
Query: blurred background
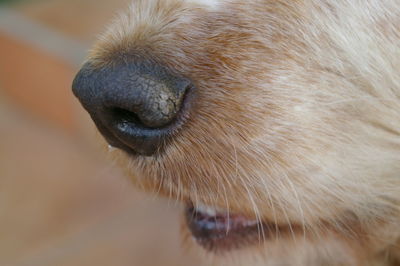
<point>61,201</point>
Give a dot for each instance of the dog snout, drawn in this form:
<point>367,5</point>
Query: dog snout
<point>136,106</point>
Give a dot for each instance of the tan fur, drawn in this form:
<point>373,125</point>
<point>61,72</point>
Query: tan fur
<point>296,120</point>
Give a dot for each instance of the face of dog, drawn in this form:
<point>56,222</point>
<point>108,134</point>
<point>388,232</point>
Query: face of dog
<point>276,122</point>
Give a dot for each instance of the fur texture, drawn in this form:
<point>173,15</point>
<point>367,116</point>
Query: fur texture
<point>296,119</point>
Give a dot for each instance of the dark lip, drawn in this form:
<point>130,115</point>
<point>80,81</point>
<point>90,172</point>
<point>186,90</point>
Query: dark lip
<point>225,232</point>
<point>162,135</point>
<point>221,233</point>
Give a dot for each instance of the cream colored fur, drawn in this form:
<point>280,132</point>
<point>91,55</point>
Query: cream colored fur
<point>296,121</point>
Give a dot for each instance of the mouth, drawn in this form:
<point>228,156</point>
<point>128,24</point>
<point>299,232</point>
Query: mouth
<point>219,230</point>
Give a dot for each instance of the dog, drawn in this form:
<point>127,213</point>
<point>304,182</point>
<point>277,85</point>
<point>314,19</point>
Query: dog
<point>275,122</point>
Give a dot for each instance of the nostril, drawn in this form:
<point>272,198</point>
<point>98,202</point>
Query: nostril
<point>121,116</point>
<point>149,112</point>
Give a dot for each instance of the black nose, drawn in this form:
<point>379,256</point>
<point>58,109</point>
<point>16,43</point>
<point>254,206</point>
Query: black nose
<point>136,105</point>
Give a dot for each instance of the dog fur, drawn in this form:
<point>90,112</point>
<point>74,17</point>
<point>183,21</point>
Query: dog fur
<point>296,119</point>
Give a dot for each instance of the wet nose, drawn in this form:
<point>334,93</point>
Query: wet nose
<point>135,105</point>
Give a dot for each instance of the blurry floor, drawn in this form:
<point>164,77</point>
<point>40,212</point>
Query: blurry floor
<point>61,202</point>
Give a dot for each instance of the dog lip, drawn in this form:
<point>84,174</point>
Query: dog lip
<point>218,230</point>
